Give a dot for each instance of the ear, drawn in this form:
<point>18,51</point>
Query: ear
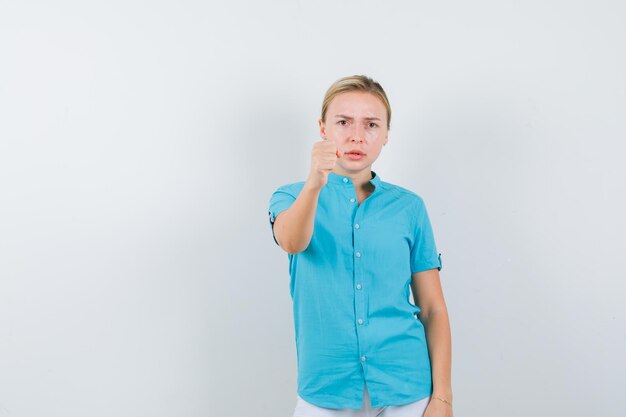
<point>322,128</point>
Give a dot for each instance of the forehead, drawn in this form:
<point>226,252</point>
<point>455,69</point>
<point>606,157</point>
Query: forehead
<point>357,103</point>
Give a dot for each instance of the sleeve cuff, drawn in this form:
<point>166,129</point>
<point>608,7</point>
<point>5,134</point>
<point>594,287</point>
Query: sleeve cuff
<point>424,266</point>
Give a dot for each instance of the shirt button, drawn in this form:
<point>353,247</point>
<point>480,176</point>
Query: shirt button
<point>356,226</point>
<point>358,286</point>
<point>345,179</point>
<point>360,321</point>
<point>358,254</point>
<point>352,200</point>
<point>363,358</point>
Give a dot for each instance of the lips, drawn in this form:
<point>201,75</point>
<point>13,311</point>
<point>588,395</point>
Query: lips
<point>355,155</point>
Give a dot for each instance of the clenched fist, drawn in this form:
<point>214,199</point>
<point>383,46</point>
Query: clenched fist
<point>324,155</point>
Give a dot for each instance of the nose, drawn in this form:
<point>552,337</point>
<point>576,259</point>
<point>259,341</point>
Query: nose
<point>358,134</point>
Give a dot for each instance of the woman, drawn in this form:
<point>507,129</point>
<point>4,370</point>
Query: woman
<point>356,244</point>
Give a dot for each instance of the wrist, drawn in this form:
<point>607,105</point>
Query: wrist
<point>443,400</point>
<point>312,186</point>
<point>445,394</point>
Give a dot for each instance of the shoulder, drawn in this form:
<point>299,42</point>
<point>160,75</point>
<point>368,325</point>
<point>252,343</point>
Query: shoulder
<point>293,188</point>
<point>413,204</point>
<point>404,194</point>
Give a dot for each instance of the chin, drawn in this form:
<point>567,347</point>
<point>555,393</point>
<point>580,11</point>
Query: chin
<point>357,167</point>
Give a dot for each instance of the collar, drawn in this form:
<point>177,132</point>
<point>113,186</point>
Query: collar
<point>342,179</point>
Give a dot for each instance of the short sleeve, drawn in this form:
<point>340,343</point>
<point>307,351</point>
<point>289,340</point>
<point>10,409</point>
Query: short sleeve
<point>280,201</point>
<point>424,253</point>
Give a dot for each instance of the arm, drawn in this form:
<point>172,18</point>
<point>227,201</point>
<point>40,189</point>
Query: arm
<point>293,228</point>
<point>428,296</point>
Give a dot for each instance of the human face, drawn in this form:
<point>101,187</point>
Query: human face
<point>357,122</point>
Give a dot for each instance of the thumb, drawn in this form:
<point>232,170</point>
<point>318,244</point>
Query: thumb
<point>339,153</point>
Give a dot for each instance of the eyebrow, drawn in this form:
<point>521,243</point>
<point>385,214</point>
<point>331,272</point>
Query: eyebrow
<point>343,116</point>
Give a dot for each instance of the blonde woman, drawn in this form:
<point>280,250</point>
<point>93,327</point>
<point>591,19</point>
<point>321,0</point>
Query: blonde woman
<point>356,246</point>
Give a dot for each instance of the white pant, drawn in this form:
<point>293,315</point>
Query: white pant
<point>414,409</point>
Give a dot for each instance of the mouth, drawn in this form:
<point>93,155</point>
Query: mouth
<point>355,155</point>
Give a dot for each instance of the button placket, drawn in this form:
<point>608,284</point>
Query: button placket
<point>359,286</point>
<point>359,270</point>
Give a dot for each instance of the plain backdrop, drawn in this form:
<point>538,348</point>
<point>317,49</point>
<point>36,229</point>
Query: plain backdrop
<point>140,142</point>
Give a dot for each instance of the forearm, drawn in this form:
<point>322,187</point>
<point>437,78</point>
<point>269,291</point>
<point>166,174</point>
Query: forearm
<point>294,227</point>
<point>437,327</point>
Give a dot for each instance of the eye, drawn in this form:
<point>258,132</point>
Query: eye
<point>372,124</point>
<point>341,122</point>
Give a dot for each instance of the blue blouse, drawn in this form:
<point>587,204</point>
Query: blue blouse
<point>354,321</point>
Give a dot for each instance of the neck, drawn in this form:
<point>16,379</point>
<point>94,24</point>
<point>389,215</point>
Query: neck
<point>360,179</point>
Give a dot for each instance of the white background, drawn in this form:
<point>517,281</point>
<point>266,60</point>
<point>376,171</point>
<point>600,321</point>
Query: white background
<point>140,142</point>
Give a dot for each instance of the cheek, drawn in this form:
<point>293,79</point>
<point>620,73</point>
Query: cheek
<point>376,137</point>
<point>371,135</point>
<point>338,135</point>
<point>377,150</point>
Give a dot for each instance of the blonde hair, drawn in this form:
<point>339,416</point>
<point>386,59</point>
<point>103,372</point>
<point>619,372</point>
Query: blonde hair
<point>356,83</point>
